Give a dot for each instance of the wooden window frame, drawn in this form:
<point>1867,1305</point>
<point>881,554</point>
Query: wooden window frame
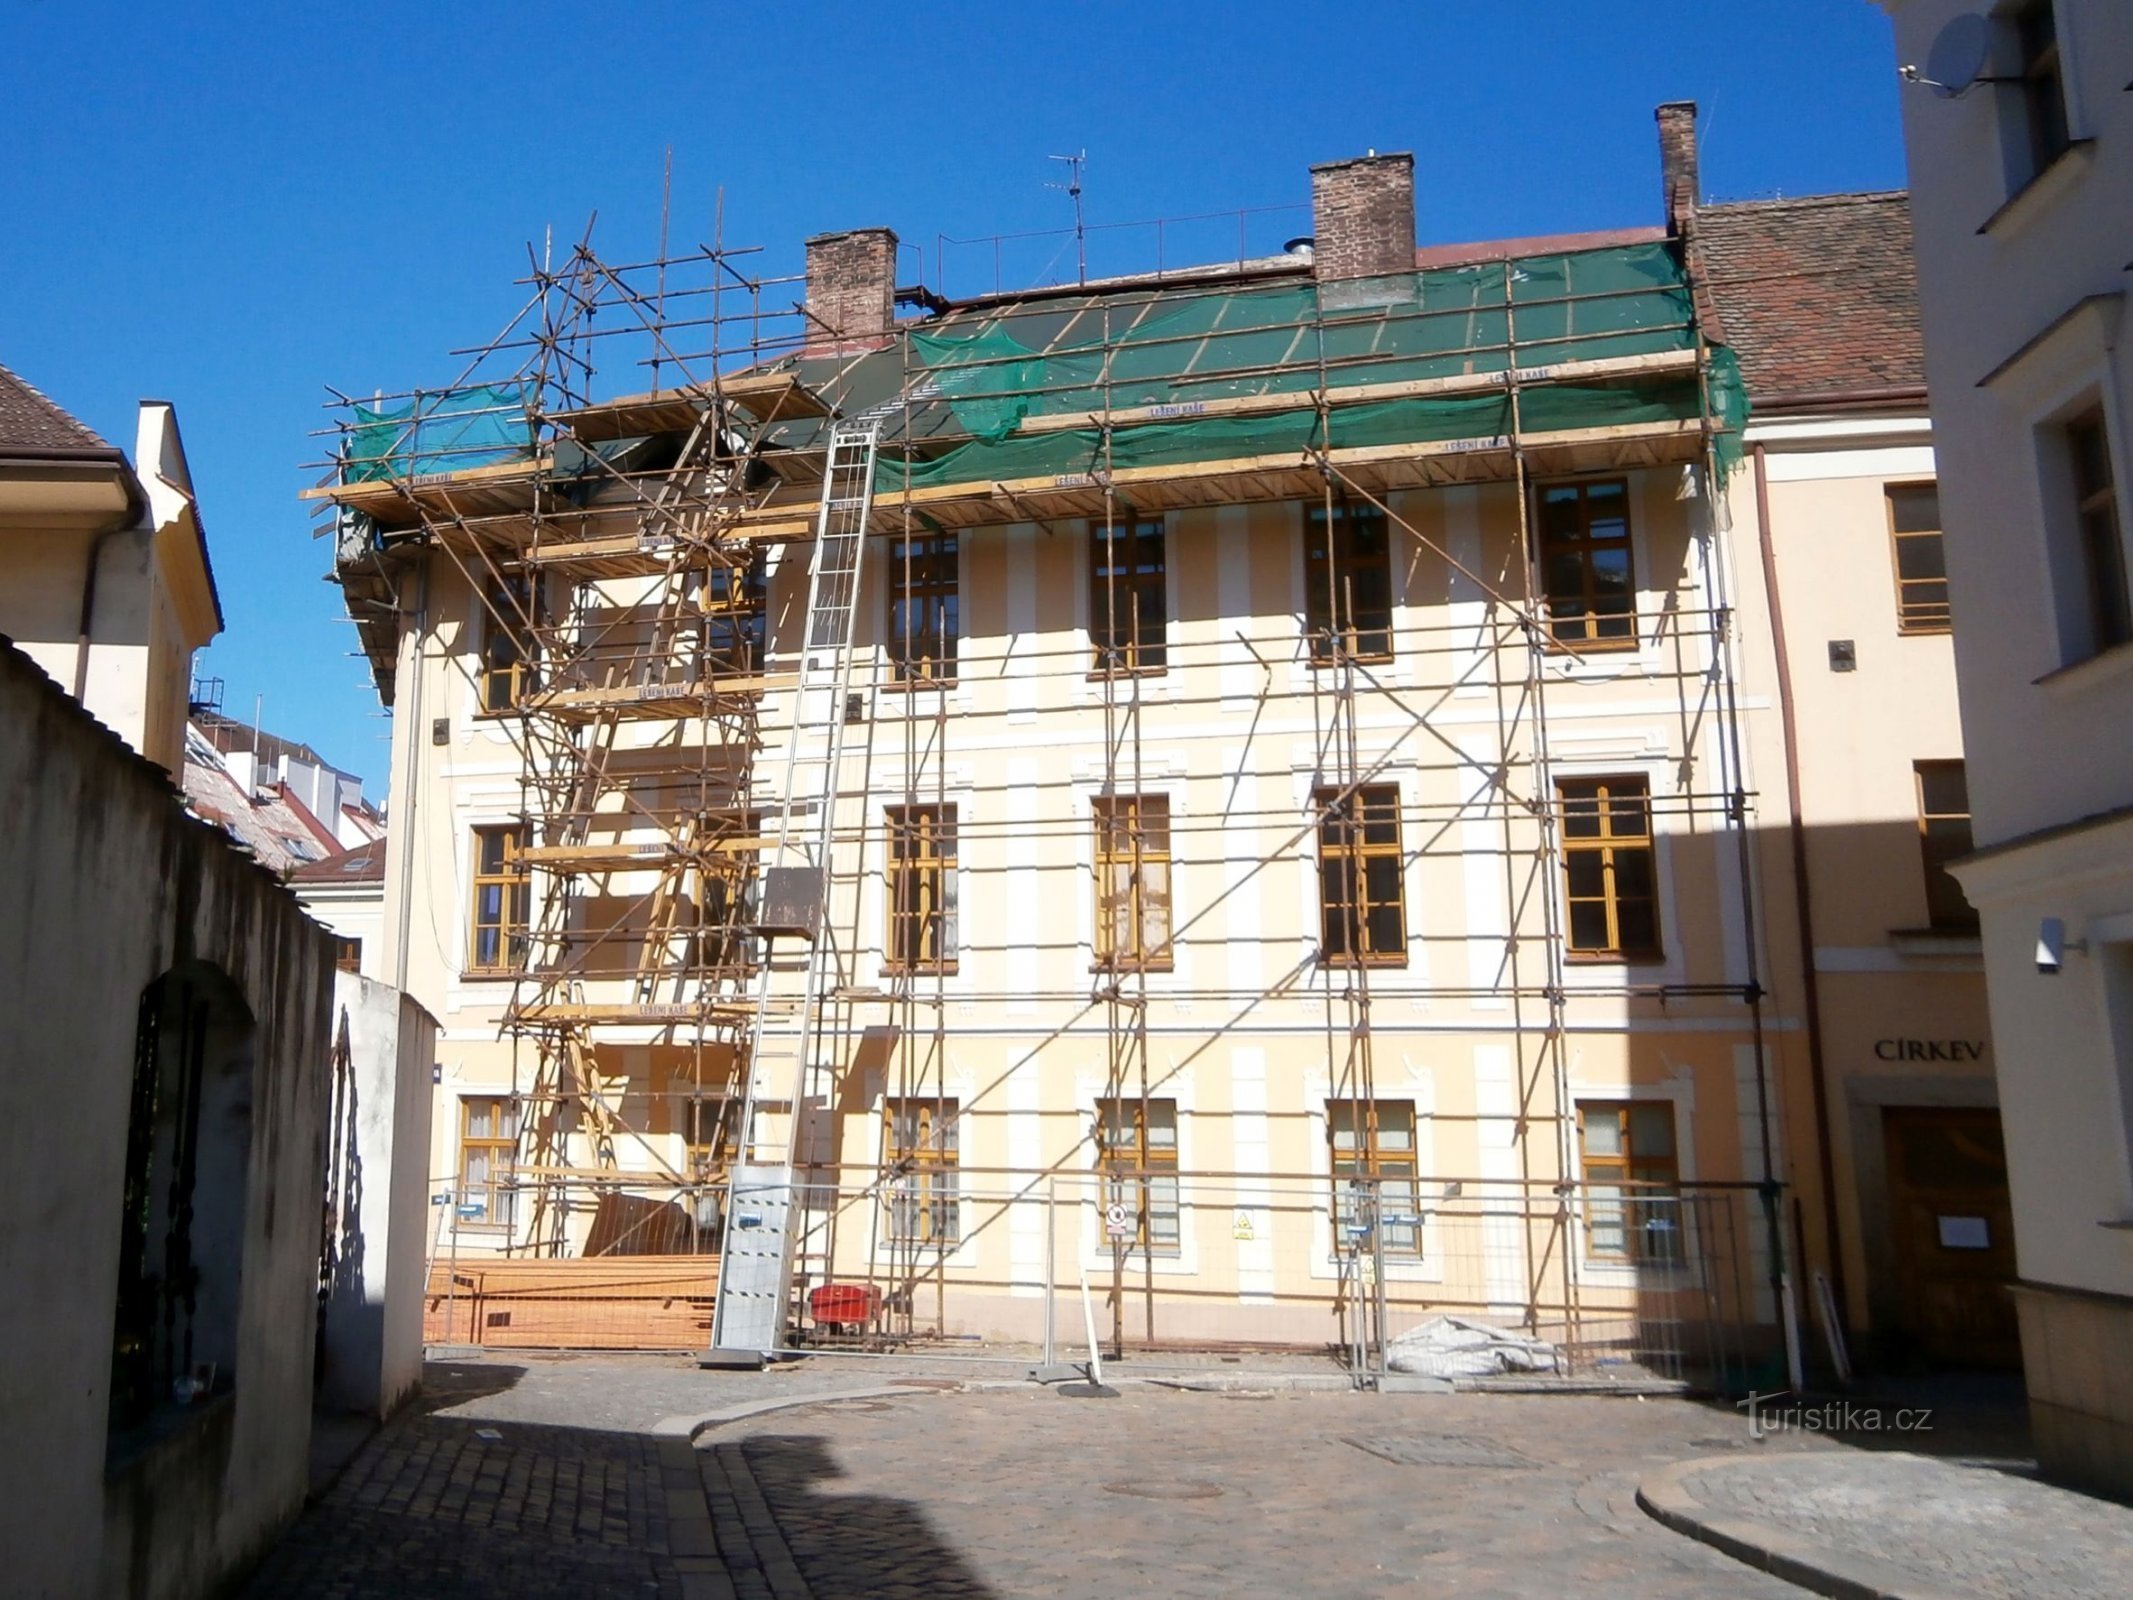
<point>510,652</point>
<point>514,888</point>
<point>501,1205</point>
<point>1607,792</point>
<point>1140,1172</point>
<point>1916,617</point>
<point>924,656</point>
<point>1370,1159</point>
<point>1120,643</point>
<point>709,1160</point>
<point>2093,478</point>
<point>917,863</point>
<point>1656,1177</point>
<point>1345,844</point>
<point>347,953</point>
<point>1338,629</point>
<point>1948,910</point>
<point>1133,838</point>
<point>926,1153</point>
<point>735,603</point>
<point>1584,544</point>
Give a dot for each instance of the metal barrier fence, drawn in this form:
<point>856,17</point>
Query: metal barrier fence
<point>1460,1276</point>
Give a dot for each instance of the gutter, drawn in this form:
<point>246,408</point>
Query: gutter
<point>1802,888</point>
<point>1894,397</point>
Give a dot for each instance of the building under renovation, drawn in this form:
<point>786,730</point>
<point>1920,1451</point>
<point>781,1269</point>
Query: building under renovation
<point>1230,791</point>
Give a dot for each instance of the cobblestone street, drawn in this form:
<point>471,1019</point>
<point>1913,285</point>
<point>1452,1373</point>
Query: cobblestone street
<point>924,1487</point>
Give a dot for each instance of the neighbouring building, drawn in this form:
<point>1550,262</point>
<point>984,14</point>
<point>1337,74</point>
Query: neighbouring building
<point>2021,153</point>
<point>262,814</point>
<point>165,1006</point>
<point>259,760</point>
<point>1268,785</point>
<point>1838,507</point>
<point>345,894</point>
<point>104,574</point>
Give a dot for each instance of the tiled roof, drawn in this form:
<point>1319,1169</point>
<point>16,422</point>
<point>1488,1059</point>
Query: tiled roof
<point>30,421</point>
<point>363,863</point>
<point>1817,295</point>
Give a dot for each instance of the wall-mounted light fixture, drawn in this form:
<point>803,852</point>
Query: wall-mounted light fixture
<point>2053,944</point>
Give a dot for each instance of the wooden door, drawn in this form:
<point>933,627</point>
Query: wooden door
<point>1953,1231</point>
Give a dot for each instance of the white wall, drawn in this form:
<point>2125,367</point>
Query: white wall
<point>378,1172</point>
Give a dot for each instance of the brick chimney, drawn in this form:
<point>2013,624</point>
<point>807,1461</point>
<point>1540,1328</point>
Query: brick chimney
<point>1677,163</point>
<point>851,290</point>
<point>1363,216</point>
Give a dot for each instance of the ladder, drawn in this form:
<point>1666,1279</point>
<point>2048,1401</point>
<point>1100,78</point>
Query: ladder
<point>786,1060</point>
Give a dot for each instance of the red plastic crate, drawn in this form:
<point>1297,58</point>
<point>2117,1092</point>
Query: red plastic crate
<point>842,1304</point>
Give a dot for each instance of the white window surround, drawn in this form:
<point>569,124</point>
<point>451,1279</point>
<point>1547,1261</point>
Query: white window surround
<point>1166,777</point>
<point>963,1255</point>
<point>1418,1084</point>
<point>477,806</point>
<point>1166,1082</point>
<point>2065,368</point>
<point>1681,1094</point>
<point>960,792</point>
<point>1657,771</point>
<point>1153,686</point>
<point>1402,773</point>
<point>1649,658</point>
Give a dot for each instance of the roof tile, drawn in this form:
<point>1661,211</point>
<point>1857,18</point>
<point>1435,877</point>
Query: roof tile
<point>1818,295</point>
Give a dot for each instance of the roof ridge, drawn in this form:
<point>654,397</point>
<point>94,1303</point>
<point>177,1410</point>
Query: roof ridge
<point>1803,201</point>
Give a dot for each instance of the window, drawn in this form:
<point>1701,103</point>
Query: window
<point>1374,1162</point>
<point>922,1137</point>
<point>1347,583</point>
<point>736,604</point>
<point>1128,604</point>
<point>1587,573</point>
<point>347,954</point>
<point>1137,1150</point>
<point>924,608</point>
<point>711,1130</point>
<point>1944,835</point>
<point>488,1134</point>
<point>1921,575</point>
<point>507,649</point>
<point>1362,912</point>
<point>2103,550</point>
<point>2043,85</point>
<point>183,1218</point>
<point>1611,879</point>
<point>1133,881</point>
<point>922,913</point>
<point>502,900</point>
<point>1632,1179</point>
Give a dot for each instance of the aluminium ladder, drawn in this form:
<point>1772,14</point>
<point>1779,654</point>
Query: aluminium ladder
<point>786,1060</point>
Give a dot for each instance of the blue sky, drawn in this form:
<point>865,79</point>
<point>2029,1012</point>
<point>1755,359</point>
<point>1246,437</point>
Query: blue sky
<point>230,206</point>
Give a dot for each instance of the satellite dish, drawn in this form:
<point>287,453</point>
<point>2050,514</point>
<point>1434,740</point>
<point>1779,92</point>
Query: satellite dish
<point>1957,60</point>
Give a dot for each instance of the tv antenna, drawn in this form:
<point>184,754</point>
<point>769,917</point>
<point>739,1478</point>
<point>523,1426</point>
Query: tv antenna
<point>1074,165</point>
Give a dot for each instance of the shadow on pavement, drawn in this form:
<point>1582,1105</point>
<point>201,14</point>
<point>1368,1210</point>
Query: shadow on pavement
<point>1979,1416</point>
<point>846,1546</point>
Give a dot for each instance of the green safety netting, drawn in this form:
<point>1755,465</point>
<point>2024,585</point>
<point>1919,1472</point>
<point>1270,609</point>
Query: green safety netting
<point>446,432</point>
<point>998,370</point>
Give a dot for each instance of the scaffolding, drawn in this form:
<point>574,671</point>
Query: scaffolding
<point>623,549</point>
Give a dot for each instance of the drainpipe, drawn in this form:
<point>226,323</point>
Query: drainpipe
<point>1802,893</point>
<point>88,611</point>
<point>406,795</point>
